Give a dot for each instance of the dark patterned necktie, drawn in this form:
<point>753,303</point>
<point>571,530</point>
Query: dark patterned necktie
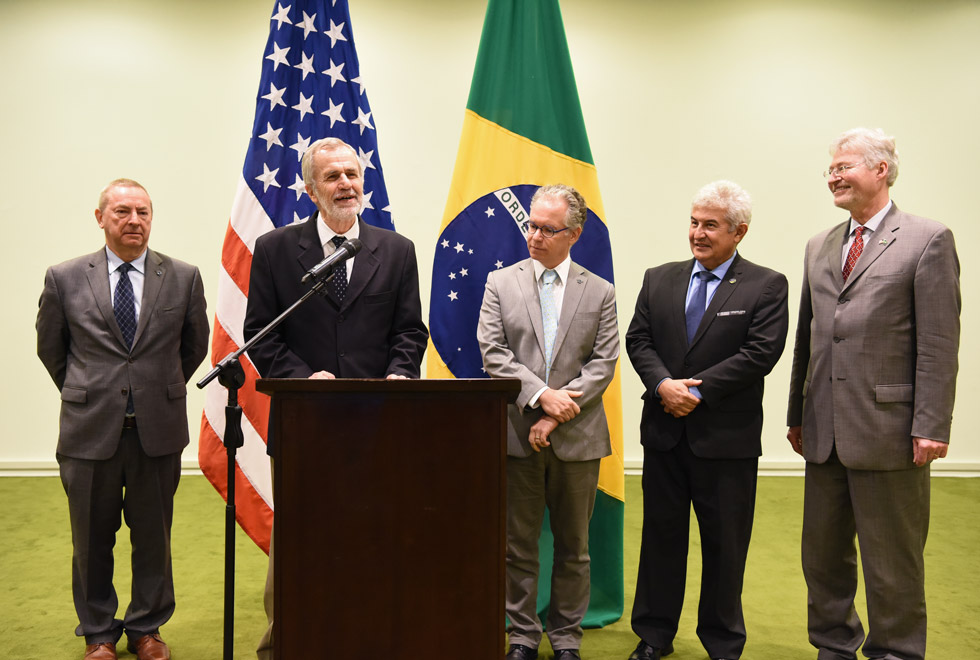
<point>124,305</point>
<point>699,300</point>
<point>124,308</point>
<point>857,247</point>
<point>339,281</point>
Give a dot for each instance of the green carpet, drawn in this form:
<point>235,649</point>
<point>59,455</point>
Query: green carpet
<point>37,619</point>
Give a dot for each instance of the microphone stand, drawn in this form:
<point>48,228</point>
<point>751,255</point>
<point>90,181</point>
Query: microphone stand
<point>230,374</point>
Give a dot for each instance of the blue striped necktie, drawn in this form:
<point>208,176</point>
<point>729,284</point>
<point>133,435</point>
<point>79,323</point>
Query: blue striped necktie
<point>699,300</point>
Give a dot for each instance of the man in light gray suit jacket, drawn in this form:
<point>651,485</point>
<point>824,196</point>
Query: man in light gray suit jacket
<point>871,403</point>
<point>121,331</point>
<point>552,324</point>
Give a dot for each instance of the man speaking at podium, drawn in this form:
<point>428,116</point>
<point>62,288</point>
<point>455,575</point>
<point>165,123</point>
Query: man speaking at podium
<point>369,322</point>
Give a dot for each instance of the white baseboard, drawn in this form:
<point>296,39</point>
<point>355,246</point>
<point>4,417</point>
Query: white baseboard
<point>942,468</point>
<point>633,467</point>
<point>50,468</point>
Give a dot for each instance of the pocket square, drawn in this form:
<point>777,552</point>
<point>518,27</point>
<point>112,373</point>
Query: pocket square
<point>732,312</point>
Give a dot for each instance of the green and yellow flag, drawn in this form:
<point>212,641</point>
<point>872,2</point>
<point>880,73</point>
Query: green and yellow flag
<point>524,128</point>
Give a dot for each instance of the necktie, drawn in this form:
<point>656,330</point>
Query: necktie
<point>857,247</point>
<point>339,281</point>
<point>124,309</point>
<point>699,300</point>
<point>549,316</point>
<point>124,305</point>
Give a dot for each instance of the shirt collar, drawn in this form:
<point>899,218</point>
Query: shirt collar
<point>326,233</point>
<point>872,224</point>
<point>562,269</point>
<point>139,263</point>
<point>718,272</point>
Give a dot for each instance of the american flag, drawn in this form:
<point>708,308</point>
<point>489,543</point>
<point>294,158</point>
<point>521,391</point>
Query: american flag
<point>310,87</point>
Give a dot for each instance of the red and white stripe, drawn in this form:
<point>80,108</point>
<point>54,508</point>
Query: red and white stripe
<point>253,477</point>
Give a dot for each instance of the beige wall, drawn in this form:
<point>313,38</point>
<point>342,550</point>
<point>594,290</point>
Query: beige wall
<point>675,94</point>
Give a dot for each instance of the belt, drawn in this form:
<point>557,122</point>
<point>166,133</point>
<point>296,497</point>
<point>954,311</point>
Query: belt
<point>129,422</point>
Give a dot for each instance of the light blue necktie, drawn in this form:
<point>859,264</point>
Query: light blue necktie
<point>549,316</point>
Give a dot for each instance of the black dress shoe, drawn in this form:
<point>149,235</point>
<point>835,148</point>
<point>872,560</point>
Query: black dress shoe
<point>644,651</point>
<point>567,654</point>
<point>521,652</point>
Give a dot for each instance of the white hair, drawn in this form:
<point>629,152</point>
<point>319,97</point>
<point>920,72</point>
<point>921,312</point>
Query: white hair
<point>728,196</point>
<point>874,145</point>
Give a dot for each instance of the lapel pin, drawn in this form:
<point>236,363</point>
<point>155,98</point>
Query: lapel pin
<point>883,241</point>
<point>159,272</point>
<point>731,281</point>
<point>579,281</point>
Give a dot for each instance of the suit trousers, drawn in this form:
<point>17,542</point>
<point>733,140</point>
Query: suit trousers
<point>142,489</point>
<point>266,648</point>
<point>888,511</point>
<point>722,492</point>
<point>568,489</point>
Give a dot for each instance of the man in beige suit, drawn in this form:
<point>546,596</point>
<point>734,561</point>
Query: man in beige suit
<point>871,402</point>
<point>121,331</point>
<point>552,324</point>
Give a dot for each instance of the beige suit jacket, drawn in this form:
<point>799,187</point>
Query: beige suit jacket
<point>584,356</point>
<point>876,358</point>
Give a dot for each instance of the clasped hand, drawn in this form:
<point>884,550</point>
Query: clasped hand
<point>676,397</point>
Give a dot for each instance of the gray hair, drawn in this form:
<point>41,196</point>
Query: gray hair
<point>874,145</point>
<point>325,144</point>
<point>577,212</point>
<point>119,183</point>
<point>728,196</point>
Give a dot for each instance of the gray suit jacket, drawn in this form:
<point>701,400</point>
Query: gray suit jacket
<point>583,358</point>
<point>876,359</point>
<point>83,349</point>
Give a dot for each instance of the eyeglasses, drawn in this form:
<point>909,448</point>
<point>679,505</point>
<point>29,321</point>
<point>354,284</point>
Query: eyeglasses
<point>547,232</point>
<point>839,170</point>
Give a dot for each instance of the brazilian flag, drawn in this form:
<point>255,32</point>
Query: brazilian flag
<point>523,128</point>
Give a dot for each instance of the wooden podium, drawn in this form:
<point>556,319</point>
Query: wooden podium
<point>390,517</point>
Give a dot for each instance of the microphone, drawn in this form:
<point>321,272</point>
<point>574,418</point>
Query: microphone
<point>347,249</point>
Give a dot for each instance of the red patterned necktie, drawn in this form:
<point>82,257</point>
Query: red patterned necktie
<point>852,255</point>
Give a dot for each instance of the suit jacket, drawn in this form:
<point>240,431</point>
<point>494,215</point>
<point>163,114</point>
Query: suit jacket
<point>584,355</point>
<point>376,331</point>
<point>83,349</point>
<point>876,359</point>
<point>739,341</point>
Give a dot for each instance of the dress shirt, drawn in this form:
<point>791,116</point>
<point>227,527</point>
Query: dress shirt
<point>869,228</point>
<point>558,290</point>
<point>326,233</point>
<point>136,277</point>
<point>713,285</point>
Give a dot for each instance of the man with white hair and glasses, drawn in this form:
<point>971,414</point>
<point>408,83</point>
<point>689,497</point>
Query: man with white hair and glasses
<point>871,402</point>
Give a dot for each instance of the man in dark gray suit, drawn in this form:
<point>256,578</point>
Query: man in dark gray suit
<point>121,331</point>
<point>705,334</point>
<point>871,403</point>
<point>552,324</point>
